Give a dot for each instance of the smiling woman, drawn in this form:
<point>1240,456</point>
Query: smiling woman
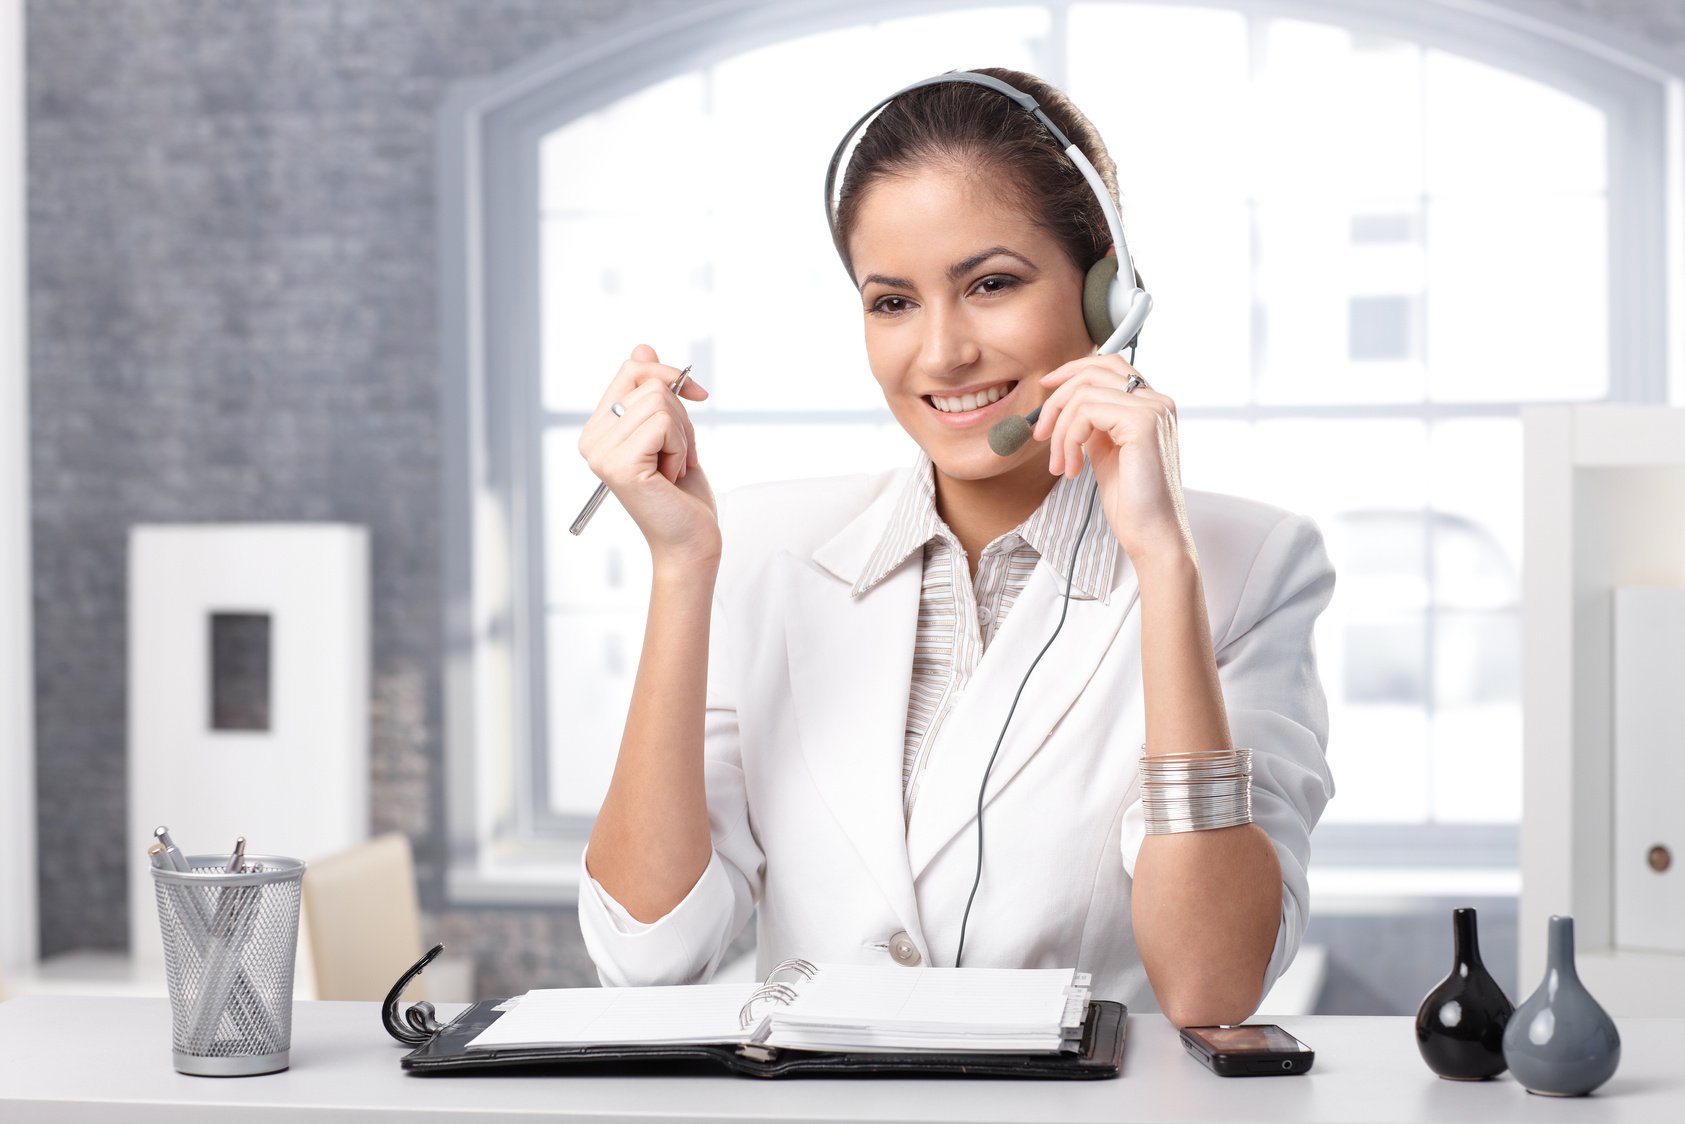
<point>827,662</point>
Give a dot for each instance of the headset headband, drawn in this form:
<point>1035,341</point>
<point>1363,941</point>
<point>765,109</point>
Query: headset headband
<point>1025,102</point>
<point>1108,206</point>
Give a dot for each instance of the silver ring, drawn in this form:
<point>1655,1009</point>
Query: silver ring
<point>1134,381</point>
<point>617,410</point>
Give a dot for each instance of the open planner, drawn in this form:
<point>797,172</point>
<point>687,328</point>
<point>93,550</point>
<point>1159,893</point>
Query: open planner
<point>825,1007</point>
<point>804,1018</point>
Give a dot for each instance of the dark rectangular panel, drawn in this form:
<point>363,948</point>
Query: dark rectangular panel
<point>240,664</point>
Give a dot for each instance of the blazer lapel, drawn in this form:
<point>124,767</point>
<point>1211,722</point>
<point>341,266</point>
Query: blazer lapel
<point>851,663</point>
<point>947,801</point>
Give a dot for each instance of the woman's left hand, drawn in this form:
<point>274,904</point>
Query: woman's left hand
<point>1130,438</point>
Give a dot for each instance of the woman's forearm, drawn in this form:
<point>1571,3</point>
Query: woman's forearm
<point>650,843</point>
<point>1205,904</point>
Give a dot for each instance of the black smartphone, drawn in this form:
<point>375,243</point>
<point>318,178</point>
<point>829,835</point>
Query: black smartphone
<point>1256,1050</point>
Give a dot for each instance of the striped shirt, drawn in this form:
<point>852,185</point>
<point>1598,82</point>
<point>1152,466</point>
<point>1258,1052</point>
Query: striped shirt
<point>959,616</point>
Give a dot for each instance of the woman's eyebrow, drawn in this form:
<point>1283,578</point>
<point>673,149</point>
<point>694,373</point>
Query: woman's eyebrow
<point>955,272</point>
<point>961,268</point>
<point>887,282</point>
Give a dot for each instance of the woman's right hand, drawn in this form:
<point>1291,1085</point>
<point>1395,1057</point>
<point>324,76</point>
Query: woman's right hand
<point>647,457</point>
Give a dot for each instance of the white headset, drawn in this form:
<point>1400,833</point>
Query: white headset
<point>1114,305</point>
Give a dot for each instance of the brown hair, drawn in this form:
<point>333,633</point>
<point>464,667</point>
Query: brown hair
<point>970,127</point>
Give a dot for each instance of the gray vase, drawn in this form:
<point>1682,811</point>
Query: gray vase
<point>1560,1042</point>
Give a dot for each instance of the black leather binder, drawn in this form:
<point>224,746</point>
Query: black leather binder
<point>442,1049</point>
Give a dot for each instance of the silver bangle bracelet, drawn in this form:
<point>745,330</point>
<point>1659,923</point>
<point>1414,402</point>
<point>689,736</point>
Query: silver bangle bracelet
<point>1196,791</point>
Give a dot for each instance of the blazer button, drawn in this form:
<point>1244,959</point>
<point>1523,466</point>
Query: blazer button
<point>901,947</point>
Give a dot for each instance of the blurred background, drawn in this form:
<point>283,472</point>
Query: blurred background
<point>368,263</point>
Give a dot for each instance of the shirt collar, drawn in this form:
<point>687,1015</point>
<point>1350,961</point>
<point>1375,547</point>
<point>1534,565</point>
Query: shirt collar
<point>1051,530</point>
<point>912,523</point>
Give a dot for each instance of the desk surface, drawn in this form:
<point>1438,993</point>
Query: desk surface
<point>92,1060</point>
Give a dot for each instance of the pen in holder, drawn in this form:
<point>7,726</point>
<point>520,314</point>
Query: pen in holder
<point>229,940</point>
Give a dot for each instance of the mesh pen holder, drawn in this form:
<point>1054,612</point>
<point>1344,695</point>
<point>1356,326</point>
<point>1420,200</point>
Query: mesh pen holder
<point>229,942</point>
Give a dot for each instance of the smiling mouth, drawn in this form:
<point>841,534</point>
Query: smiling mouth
<point>964,403</point>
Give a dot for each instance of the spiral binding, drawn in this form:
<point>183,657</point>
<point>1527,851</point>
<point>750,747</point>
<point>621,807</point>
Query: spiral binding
<point>806,969</point>
<point>777,992</point>
<point>782,993</point>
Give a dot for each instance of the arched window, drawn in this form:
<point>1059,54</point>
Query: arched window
<point>1372,236</point>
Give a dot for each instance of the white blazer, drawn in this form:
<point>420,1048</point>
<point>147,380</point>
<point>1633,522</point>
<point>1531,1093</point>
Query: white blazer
<point>805,727</point>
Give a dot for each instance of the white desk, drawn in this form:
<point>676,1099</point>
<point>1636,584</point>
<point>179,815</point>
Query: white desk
<point>93,1060</point>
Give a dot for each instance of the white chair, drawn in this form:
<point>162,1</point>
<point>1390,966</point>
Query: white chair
<point>362,920</point>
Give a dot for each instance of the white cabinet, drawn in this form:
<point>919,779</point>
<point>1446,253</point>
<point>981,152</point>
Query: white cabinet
<point>277,751</point>
<point>1605,510</point>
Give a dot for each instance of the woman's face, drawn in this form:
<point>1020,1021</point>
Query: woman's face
<point>968,302</point>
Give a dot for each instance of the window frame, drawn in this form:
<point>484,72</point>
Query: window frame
<point>500,850</point>
<point>19,871</point>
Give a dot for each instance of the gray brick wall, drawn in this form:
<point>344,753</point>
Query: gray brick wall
<point>233,309</point>
<point>232,306</point>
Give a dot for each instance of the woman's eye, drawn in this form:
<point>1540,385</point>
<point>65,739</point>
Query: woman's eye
<point>889,306</point>
<point>996,283</point>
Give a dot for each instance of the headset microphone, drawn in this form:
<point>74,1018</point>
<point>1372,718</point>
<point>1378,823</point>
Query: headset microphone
<point>1009,435</point>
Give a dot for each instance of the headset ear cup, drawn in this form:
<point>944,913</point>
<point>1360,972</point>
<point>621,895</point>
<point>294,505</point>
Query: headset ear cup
<point>1096,293</point>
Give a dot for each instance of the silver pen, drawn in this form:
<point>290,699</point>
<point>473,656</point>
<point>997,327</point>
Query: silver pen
<point>227,932</point>
<point>172,854</point>
<point>597,497</point>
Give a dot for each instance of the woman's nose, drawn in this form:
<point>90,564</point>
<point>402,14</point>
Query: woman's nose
<point>947,343</point>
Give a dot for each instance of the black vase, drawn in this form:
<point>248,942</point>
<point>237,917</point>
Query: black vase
<point>1460,1026</point>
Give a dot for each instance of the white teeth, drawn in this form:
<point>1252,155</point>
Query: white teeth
<point>967,402</point>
